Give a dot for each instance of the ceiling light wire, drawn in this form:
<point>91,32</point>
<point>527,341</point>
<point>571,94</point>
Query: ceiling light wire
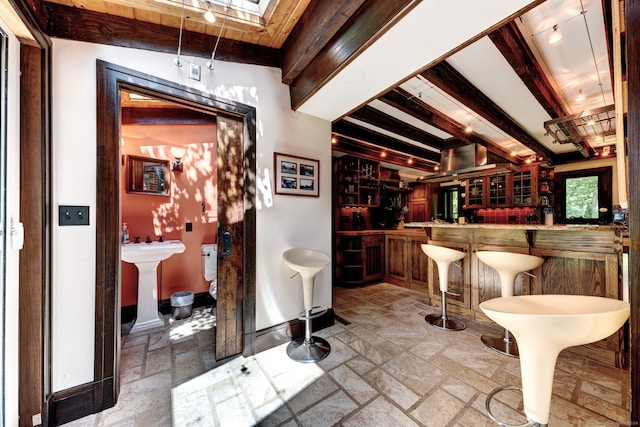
<point>177,61</point>
<point>224,21</point>
<point>593,55</point>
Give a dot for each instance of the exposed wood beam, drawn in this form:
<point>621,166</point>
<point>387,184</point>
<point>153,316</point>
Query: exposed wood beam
<point>384,121</point>
<point>405,102</point>
<point>450,81</point>
<point>117,31</point>
<point>372,152</point>
<point>320,22</point>
<point>509,40</point>
<point>369,23</point>
<point>356,132</point>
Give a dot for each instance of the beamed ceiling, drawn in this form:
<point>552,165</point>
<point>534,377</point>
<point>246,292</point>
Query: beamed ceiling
<point>400,77</point>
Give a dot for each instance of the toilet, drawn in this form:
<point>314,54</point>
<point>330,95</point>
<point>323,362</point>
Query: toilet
<point>210,269</point>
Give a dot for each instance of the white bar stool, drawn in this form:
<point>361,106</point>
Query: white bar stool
<point>508,265</point>
<point>307,262</point>
<point>544,325</point>
<point>443,258</point>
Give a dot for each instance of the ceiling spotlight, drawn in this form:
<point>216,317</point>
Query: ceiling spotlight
<point>513,152</point>
<point>208,15</point>
<point>591,123</point>
<point>580,96</point>
<point>436,168</point>
<point>555,36</point>
<point>468,129</point>
<point>334,140</point>
<point>383,154</point>
<point>410,161</point>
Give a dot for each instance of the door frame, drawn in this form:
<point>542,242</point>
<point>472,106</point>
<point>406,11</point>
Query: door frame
<point>102,393</point>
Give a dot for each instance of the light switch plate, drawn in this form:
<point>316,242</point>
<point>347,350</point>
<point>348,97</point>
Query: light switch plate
<point>73,215</point>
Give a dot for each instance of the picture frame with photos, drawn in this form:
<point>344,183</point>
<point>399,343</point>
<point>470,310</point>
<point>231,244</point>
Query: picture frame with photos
<point>296,176</point>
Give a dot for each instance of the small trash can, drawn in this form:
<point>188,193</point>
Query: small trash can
<point>181,305</point>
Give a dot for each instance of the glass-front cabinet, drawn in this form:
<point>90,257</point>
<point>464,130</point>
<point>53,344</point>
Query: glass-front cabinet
<point>524,188</point>
<point>475,193</point>
<point>499,194</point>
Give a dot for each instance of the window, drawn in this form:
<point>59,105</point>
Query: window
<point>584,196</point>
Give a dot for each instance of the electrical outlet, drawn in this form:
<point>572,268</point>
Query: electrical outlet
<point>189,226</point>
<point>194,72</point>
<point>73,215</point>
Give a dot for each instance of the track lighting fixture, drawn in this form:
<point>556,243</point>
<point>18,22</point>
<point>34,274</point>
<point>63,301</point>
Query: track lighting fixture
<point>177,61</point>
<point>580,96</point>
<point>555,36</point>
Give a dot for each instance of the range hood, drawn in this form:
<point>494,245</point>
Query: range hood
<point>468,161</point>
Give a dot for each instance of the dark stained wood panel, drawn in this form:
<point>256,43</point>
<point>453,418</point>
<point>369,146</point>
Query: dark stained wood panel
<point>229,331</point>
<point>167,116</point>
<point>632,15</point>
<point>314,30</point>
<point>33,273</point>
<point>362,29</point>
<point>117,31</point>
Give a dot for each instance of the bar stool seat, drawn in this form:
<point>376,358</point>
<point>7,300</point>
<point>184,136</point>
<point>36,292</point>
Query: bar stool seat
<point>443,258</point>
<point>508,265</point>
<point>307,262</point>
<point>544,325</point>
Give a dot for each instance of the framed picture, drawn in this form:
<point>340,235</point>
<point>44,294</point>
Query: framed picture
<point>296,176</point>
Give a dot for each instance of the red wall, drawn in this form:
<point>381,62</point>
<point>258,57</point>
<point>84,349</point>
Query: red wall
<point>167,216</point>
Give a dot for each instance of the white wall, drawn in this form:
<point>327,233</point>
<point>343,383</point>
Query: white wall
<point>11,355</point>
<point>282,221</point>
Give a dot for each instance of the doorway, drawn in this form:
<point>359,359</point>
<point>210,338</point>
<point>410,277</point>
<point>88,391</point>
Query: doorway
<point>236,136</point>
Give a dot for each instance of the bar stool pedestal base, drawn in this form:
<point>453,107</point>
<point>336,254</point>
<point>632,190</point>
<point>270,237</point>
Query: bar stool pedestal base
<point>440,322</point>
<point>308,352</point>
<point>502,344</point>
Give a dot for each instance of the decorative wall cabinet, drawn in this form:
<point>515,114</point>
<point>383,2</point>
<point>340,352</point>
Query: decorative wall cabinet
<point>358,182</point>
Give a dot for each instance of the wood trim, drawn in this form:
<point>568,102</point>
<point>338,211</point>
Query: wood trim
<point>33,377</point>
<point>102,393</point>
<point>112,30</point>
<point>632,12</point>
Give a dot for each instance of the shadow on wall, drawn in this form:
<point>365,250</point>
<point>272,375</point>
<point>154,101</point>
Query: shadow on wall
<point>193,200</point>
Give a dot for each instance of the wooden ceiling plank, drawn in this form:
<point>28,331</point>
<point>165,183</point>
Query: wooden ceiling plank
<point>117,31</point>
<point>450,81</point>
<point>314,29</point>
<point>407,103</point>
<point>280,27</point>
<point>366,26</point>
<point>384,121</point>
<point>354,131</point>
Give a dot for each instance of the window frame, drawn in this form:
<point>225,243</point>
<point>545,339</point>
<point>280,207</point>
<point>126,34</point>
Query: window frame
<point>605,199</point>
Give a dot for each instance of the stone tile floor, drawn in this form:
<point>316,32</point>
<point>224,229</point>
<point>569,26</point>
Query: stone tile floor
<point>387,367</point>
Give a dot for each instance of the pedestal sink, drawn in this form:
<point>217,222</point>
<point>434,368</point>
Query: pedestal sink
<point>544,325</point>
<point>146,257</point>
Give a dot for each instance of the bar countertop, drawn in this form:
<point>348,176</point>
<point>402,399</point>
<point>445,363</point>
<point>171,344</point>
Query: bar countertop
<point>558,227</point>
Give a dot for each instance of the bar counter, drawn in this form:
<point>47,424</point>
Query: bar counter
<point>578,260</point>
